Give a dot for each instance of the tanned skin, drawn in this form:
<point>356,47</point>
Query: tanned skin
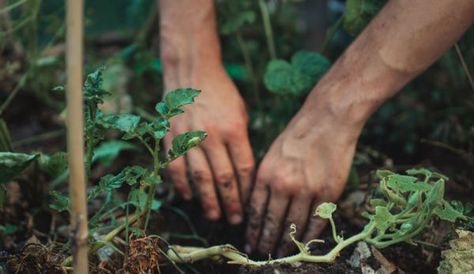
<point>309,162</point>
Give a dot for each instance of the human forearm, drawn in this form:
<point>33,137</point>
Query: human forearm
<point>188,39</point>
<point>403,40</point>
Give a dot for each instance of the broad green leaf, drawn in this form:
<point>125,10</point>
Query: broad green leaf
<point>448,213</point>
<point>325,210</point>
<point>108,151</point>
<point>277,77</point>
<point>13,164</point>
<point>54,165</point>
<point>60,202</point>
<point>130,175</point>
<point>184,142</point>
<point>124,122</point>
<point>404,183</point>
<point>383,219</point>
<point>160,128</point>
<point>297,78</point>
<point>180,97</point>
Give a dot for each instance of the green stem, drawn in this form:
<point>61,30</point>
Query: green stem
<point>330,35</point>
<point>337,239</point>
<point>267,28</point>
<point>181,254</point>
<point>152,188</point>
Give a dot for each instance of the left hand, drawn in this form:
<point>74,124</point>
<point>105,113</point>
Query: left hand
<point>306,165</point>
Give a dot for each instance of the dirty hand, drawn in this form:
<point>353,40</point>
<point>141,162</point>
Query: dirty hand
<point>306,165</point>
<point>223,164</point>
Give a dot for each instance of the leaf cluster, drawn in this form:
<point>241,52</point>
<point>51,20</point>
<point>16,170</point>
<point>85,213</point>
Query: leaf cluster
<point>298,77</point>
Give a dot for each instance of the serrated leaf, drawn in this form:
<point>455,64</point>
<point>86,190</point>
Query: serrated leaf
<point>184,142</point>
<point>139,198</point>
<point>108,151</point>
<point>126,123</point>
<point>60,202</point>
<point>130,175</point>
<point>93,90</point>
<point>325,210</point>
<point>448,213</point>
<point>54,165</point>
<point>404,183</point>
<point>13,164</point>
<point>382,218</point>
<point>178,98</point>
<point>383,173</point>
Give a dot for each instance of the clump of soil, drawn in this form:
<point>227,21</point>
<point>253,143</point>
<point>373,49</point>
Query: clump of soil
<point>143,257</point>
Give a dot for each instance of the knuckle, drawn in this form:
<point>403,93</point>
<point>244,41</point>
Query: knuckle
<point>316,189</point>
<point>246,170</point>
<point>224,178</point>
<point>200,176</point>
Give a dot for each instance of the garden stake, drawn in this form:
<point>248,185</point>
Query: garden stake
<point>75,139</point>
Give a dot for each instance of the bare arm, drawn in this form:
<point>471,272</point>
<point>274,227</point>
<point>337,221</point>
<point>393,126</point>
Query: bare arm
<point>223,164</point>
<point>310,161</point>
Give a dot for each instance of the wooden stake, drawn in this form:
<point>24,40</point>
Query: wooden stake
<point>75,139</point>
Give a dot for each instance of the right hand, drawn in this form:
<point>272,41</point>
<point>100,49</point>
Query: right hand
<point>223,164</point>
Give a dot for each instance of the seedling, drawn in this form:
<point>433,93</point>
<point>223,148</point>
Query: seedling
<point>404,207</point>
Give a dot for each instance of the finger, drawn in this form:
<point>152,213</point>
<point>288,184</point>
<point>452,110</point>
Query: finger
<point>226,181</point>
<point>298,215</point>
<point>256,210</point>
<point>202,178</point>
<point>315,225</point>
<point>244,164</point>
<point>273,222</point>
<point>177,172</point>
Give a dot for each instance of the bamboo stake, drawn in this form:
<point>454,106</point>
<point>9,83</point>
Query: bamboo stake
<point>75,139</point>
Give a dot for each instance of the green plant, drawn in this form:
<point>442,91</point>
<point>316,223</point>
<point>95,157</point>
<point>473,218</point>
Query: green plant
<point>402,209</point>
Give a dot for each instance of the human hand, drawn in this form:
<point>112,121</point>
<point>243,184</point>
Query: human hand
<point>306,165</point>
<point>223,165</point>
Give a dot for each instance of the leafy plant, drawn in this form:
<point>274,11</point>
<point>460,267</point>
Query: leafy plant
<point>403,209</point>
<point>298,77</point>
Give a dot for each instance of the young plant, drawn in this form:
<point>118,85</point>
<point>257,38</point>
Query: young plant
<point>405,207</point>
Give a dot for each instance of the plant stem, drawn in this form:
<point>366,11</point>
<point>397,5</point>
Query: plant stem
<point>267,28</point>
<point>181,254</point>
<point>75,136</point>
<point>337,239</point>
<point>330,35</point>
<point>464,66</point>
<point>152,188</point>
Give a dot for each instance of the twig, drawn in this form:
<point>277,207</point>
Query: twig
<point>268,28</point>
<point>464,66</point>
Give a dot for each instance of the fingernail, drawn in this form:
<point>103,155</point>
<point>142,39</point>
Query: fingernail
<point>248,249</point>
<point>213,214</point>
<point>235,219</point>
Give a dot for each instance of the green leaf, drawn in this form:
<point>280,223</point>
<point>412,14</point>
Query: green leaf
<point>325,210</point>
<point>435,196</point>
<point>8,229</point>
<point>405,183</point>
<point>126,123</point>
<point>377,202</point>
<point>13,164</point>
<point>176,99</point>
<point>60,202</point>
<point>184,142</point>
<point>108,151</point>
<point>130,175</point>
<point>383,173</point>
<point>448,213</point>
<point>358,14</point>
<point>383,219</point>
<point>139,198</point>
<point>236,22</point>
<point>93,91</point>
<point>54,165</point>
<point>297,78</point>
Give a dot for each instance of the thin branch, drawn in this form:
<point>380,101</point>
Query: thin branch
<point>464,66</point>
